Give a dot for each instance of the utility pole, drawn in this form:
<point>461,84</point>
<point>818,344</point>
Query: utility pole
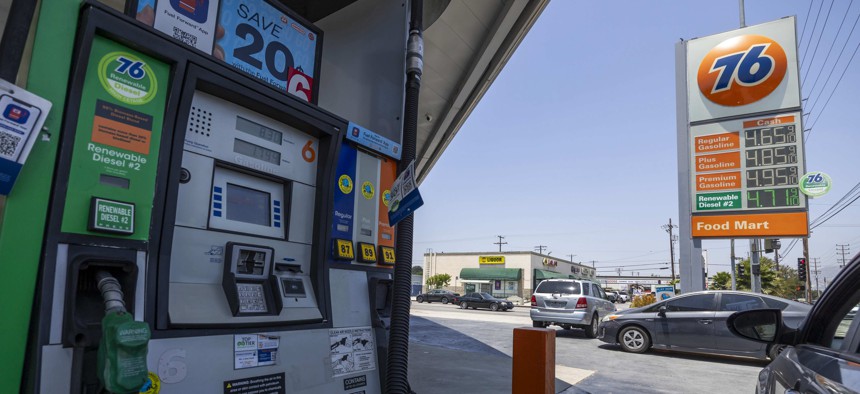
<point>500,243</point>
<point>815,272</point>
<point>843,250</point>
<point>755,267</point>
<point>570,257</point>
<point>808,277</point>
<point>668,228</point>
<point>734,280</point>
<point>540,248</point>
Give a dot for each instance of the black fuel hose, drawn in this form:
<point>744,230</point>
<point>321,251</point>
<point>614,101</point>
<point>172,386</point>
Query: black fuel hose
<point>397,379</point>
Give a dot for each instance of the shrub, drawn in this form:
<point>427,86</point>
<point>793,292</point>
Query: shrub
<point>642,300</point>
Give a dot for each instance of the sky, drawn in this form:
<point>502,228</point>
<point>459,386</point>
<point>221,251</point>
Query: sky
<point>574,145</point>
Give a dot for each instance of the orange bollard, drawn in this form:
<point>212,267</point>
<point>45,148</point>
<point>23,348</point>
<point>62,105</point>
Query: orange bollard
<point>534,361</point>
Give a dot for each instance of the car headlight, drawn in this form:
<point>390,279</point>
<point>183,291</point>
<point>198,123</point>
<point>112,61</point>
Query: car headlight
<point>609,318</point>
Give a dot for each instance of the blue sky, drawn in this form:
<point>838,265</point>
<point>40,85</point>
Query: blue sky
<point>574,145</point>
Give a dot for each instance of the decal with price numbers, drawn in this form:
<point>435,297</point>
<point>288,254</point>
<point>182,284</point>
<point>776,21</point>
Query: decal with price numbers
<point>268,44</point>
<point>388,256</point>
<point>367,253</point>
<point>343,250</point>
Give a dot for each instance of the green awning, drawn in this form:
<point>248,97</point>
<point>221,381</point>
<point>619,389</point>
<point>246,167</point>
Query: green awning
<point>491,273</point>
<point>542,274</point>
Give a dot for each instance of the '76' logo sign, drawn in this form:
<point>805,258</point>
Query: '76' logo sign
<point>742,70</point>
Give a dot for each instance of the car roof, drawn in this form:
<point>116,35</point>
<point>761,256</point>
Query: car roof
<point>790,302</point>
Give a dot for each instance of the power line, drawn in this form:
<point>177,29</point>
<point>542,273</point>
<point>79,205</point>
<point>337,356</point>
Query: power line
<point>540,248</point>
<point>834,88</point>
<point>812,35</point>
<point>802,32</point>
<point>830,51</point>
<point>838,58</point>
<point>818,43</point>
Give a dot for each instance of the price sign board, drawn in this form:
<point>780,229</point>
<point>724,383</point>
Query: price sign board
<point>751,164</point>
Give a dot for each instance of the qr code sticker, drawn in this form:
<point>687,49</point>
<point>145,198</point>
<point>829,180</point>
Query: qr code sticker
<point>8,144</point>
<point>185,38</point>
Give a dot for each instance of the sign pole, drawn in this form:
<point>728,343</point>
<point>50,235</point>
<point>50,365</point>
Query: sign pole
<point>689,250</point>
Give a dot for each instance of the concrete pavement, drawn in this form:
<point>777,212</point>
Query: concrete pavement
<point>442,360</point>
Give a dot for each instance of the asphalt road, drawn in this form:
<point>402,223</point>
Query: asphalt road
<point>589,364</point>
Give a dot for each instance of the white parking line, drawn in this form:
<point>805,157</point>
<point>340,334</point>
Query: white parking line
<point>496,317</point>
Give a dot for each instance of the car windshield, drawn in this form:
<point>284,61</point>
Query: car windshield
<point>559,288</point>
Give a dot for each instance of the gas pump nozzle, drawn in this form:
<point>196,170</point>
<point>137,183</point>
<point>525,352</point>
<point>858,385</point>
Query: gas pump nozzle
<point>124,343</point>
<point>111,292</point>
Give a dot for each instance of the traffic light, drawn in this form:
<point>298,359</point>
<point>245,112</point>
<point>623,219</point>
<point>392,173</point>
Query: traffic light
<point>801,269</point>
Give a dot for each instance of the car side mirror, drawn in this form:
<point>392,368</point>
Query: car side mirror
<point>662,311</point>
<point>760,325</point>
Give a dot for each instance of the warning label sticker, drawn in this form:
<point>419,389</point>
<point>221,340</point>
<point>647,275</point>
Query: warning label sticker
<point>265,384</point>
<point>352,350</point>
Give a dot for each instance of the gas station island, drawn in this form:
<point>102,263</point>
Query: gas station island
<point>196,194</point>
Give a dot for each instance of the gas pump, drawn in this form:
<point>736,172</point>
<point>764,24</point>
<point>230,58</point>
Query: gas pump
<point>217,202</point>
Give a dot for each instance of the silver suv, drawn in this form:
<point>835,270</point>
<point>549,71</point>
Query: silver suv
<point>570,303</point>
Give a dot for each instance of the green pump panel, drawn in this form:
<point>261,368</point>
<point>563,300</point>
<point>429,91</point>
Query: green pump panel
<point>115,156</point>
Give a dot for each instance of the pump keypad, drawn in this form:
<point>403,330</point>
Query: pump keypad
<point>251,298</point>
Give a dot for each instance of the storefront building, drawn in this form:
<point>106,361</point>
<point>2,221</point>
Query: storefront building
<point>507,274</point>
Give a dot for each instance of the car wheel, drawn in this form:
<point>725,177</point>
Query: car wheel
<point>419,299</point>
<point>444,300</point>
<point>634,340</point>
<point>464,305</point>
<point>494,307</point>
<point>773,351</point>
<point>591,330</point>
<point>538,324</point>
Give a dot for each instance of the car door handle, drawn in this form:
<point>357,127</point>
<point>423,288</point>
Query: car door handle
<point>706,321</point>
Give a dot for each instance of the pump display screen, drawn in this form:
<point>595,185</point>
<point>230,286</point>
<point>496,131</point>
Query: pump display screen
<point>248,205</point>
<point>257,152</point>
<point>258,130</point>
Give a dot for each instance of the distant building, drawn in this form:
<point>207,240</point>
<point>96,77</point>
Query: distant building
<point>501,274</point>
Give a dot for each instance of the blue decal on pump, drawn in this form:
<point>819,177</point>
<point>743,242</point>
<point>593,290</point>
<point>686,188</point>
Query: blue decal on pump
<point>344,194</point>
<point>8,173</point>
<point>368,138</point>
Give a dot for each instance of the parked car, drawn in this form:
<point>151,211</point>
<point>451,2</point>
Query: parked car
<point>443,296</point>
<point>570,303</point>
<point>612,296</point>
<point>623,296</point>
<point>696,322</point>
<point>822,355</point>
<point>484,300</point>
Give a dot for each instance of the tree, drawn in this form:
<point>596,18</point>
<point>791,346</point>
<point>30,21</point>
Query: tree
<point>722,281</point>
<point>417,270</point>
<point>439,280</point>
<point>781,283</point>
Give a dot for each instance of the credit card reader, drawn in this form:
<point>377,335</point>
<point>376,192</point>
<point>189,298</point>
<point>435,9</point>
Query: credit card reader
<point>247,281</point>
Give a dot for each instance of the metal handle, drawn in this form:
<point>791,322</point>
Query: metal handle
<point>706,321</point>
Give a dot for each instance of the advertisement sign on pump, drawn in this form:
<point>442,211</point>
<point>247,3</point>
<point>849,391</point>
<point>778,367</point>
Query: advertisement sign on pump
<point>744,71</point>
<point>266,43</point>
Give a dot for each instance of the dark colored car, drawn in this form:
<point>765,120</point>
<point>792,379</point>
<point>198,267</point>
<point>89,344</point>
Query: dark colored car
<point>438,295</point>
<point>696,322</point>
<point>823,355</point>
<point>484,300</point>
